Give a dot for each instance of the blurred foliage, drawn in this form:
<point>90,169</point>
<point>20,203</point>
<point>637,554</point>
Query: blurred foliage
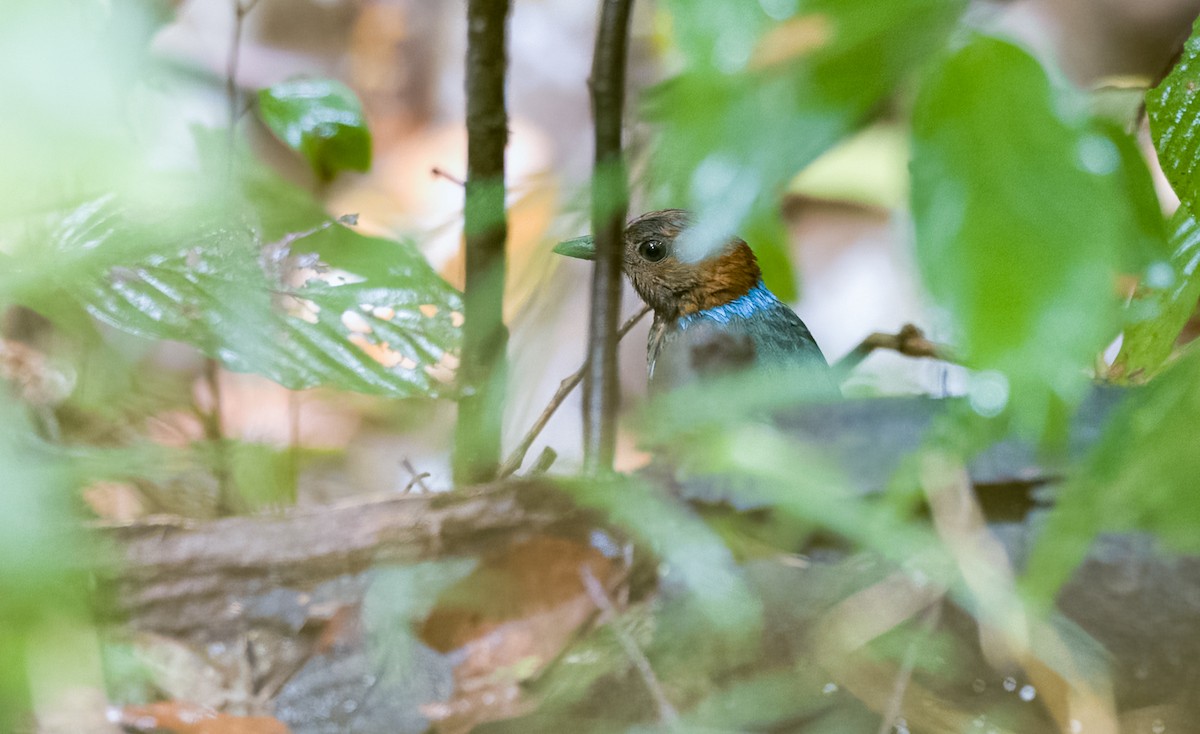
<point>1022,221</point>
<point>323,120</point>
<point>768,88</point>
<point>1158,315</point>
<point>1140,477</point>
<point>1026,209</point>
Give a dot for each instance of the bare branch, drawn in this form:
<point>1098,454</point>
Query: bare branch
<point>513,462</point>
<point>909,341</point>
<point>437,172</point>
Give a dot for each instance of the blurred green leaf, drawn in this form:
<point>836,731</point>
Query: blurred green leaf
<point>1162,314</point>
<point>1148,241</point>
<point>323,120</point>
<point>769,236</point>
<point>764,99</point>
<point>263,476</point>
<point>1173,108</point>
<point>321,306</point>
<point>1141,476</point>
<point>35,550</point>
<point>1022,220</point>
<point>695,558</point>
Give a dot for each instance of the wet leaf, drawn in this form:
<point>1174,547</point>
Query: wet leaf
<point>318,306</point>
<point>1022,222</point>
<point>323,120</point>
<point>1173,108</point>
<point>733,129</point>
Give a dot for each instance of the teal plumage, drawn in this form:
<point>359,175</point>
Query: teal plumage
<point>710,316</point>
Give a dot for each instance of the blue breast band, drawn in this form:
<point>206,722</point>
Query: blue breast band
<point>758,299</point>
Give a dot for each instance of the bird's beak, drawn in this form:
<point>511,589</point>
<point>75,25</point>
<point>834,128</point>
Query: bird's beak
<point>583,248</point>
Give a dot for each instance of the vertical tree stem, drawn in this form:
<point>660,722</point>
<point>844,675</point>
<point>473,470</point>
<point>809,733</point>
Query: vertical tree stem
<point>483,371</point>
<point>610,201</point>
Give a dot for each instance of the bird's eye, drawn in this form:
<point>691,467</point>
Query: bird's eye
<point>652,250</point>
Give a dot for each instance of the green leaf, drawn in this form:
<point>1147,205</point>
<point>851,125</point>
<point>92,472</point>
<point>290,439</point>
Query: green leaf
<point>763,99</point>
<point>322,306</point>
<point>263,476</point>
<point>1162,314</point>
<point>1141,476</point>
<point>770,239</point>
<point>1022,218</point>
<point>36,552</point>
<point>323,120</point>
<point>693,554</point>
<point>1174,111</point>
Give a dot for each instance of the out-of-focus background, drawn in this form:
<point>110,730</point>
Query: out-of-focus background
<point>848,229</point>
<point>135,119</point>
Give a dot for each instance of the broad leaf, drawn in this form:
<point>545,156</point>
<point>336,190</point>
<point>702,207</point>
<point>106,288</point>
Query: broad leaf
<point>1174,111</point>
<point>1022,220</point>
<point>763,99</point>
<point>317,306</point>
<point>1141,476</point>
<point>1165,310</point>
<point>323,120</point>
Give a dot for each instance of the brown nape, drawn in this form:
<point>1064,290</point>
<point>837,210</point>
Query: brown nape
<point>722,279</point>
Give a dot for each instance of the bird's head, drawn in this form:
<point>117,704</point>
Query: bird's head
<point>670,285</point>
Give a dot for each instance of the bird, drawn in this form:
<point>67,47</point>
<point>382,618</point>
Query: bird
<point>711,316</point>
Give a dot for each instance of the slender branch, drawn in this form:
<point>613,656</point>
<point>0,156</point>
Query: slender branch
<point>483,371</point>
<point>667,714</point>
<point>240,11</point>
<point>443,173</point>
<point>610,201</point>
<point>909,341</point>
<point>214,433</point>
<point>514,460</point>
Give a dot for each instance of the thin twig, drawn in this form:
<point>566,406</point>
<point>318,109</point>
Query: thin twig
<point>895,705</point>
<point>666,712</point>
<point>214,433</point>
<point>293,407</point>
<point>909,341</point>
<point>443,173</point>
<point>240,11</point>
<point>418,478</point>
<point>513,462</point>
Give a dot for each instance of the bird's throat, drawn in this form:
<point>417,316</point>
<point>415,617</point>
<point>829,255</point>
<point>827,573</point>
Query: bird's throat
<point>722,280</point>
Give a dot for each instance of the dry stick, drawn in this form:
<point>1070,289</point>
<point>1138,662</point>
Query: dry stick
<point>240,11</point>
<point>909,341</point>
<point>610,202</point>
<point>666,712</point>
<point>513,463</point>
<point>443,173</point>
<point>418,478</point>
